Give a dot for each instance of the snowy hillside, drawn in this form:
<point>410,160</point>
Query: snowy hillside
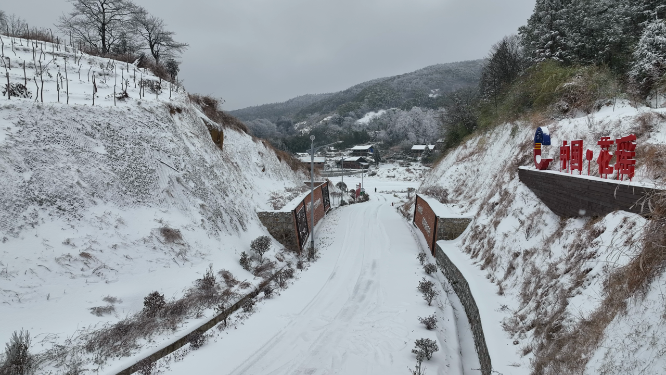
<point>551,273</point>
<point>116,199</point>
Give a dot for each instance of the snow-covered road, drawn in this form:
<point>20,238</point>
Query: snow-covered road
<point>354,311</point>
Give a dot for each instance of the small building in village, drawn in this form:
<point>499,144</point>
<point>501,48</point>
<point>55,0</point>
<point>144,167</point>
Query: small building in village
<point>366,150</point>
<point>319,161</point>
<point>417,150</point>
<point>353,162</point>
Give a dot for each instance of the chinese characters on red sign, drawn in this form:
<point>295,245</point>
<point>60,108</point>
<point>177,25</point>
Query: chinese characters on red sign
<point>571,155</point>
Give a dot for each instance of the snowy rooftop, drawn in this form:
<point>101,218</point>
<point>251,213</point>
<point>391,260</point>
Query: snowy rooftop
<point>355,158</point>
<point>308,159</point>
<point>422,147</point>
<point>361,148</point>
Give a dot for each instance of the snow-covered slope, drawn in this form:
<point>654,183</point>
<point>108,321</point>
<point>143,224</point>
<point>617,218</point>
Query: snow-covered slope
<point>550,270</point>
<point>116,199</point>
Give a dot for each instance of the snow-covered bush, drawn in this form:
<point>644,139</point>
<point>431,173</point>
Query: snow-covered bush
<point>17,90</point>
<point>248,306</point>
<point>207,283</point>
<point>261,245</point>
<point>245,261</point>
<point>171,235</point>
<point>430,268</point>
<point>18,360</point>
<point>146,366</point>
<point>425,285</point>
<point>228,278</point>
<point>196,339</point>
<point>264,270</point>
<point>153,303</point>
<point>422,258</point>
<point>268,291</point>
<point>425,348</point>
<point>102,310</point>
<point>429,321</point>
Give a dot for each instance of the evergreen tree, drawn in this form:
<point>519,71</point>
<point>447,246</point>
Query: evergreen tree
<point>544,35</point>
<point>598,32</point>
<point>650,56</point>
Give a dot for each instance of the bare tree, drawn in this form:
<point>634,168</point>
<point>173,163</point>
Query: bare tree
<point>3,20</point>
<point>505,62</point>
<point>158,40</point>
<point>15,25</point>
<point>99,24</point>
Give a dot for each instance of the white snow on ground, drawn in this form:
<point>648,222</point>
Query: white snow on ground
<point>354,311</point>
<point>85,190</point>
<point>392,171</point>
<point>550,271</point>
<point>369,116</point>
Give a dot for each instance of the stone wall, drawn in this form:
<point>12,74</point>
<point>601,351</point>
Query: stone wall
<point>570,196</point>
<point>222,316</point>
<point>435,228</point>
<point>282,226</point>
<point>461,288</point>
<point>451,228</point>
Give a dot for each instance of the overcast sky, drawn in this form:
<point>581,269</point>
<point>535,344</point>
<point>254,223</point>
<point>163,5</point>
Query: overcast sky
<point>251,52</point>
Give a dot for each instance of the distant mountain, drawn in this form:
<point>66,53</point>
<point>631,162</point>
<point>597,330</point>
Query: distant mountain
<point>428,87</point>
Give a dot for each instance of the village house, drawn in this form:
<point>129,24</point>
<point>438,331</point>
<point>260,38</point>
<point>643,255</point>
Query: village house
<point>366,150</point>
<point>417,150</point>
<point>319,161</point>
<point>354,162</point>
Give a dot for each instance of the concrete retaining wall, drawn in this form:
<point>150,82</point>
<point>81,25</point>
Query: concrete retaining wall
<point>461,288</point>
<point>436,228</point>
<point>282,226</point>
<point>161,353</point>
<point>571,196</point>
<point>451,228</point>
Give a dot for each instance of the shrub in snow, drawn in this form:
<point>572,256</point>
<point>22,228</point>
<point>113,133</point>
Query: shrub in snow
<point>18,360</point>
<point>248,306</point>
<point>429,321</point>
<point>424,349</point>
<point>437,192</point>
<point>260,245</point>
<point>171,235</point>
<point>153,303</point>
<point>145,366</point>
<point>425,285</point>
<point>17,90</point>
<point>264,270</point>
<point>288,273</point>
<point>422,258</point>
<point>102,310</point>
<point>207,282</point>
<point>429,295</point>
<point>196,339</point>
<point>245,261</point>
<point>430,268</point>
<point>228,278</point>
<point>285,275</point>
